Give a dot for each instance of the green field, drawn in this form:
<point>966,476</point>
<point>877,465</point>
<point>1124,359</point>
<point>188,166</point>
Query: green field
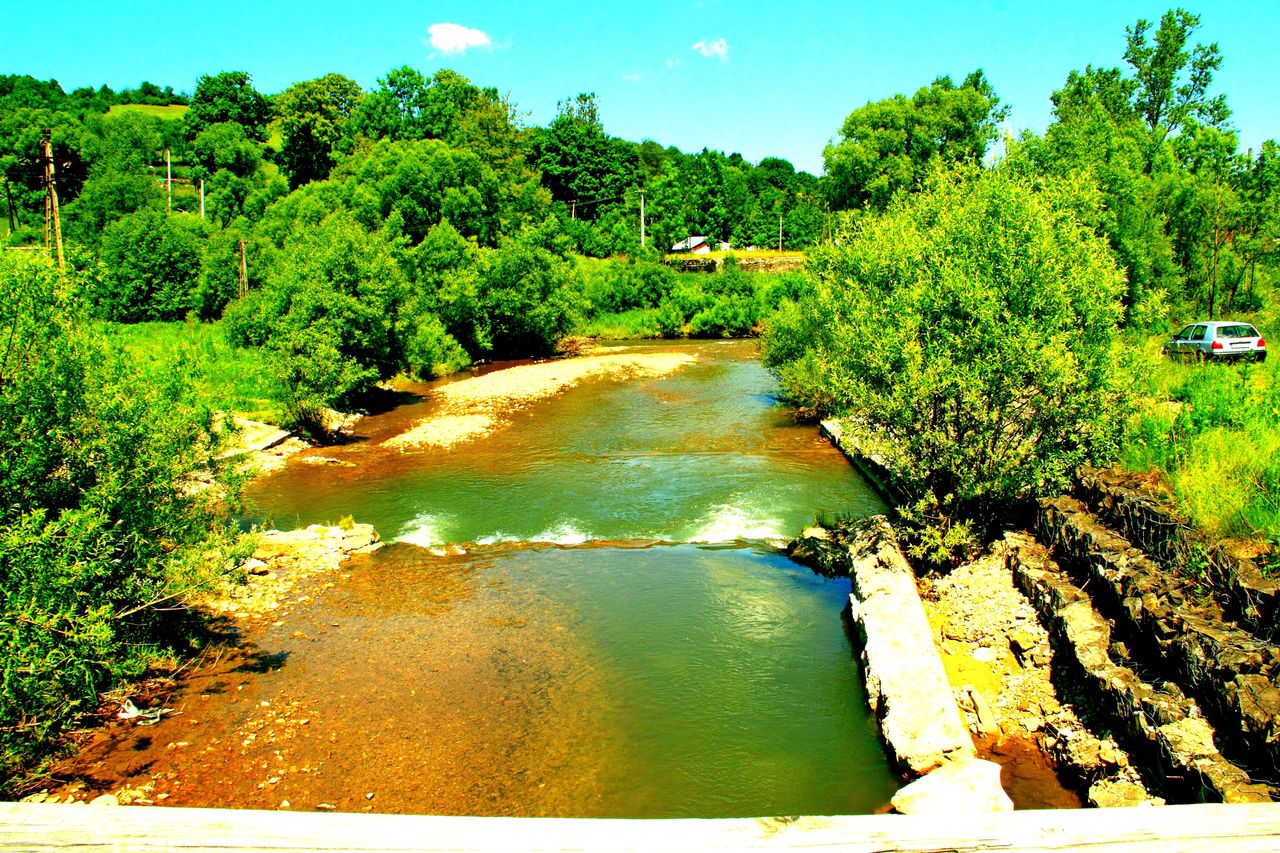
<point>170,112</point>
<point>226,378</point>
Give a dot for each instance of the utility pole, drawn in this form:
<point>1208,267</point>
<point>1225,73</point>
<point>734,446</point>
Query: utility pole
<point>244,272</point>
<point>168,178</point>
<point>779,232</point>
<point>8,194</point>
<point>202,198</point>
<point>573,209</point>
<point>641,219</point>
<point>51,203</point>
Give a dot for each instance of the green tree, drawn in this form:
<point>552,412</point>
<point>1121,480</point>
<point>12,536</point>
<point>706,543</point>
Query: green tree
<point>579,161</point>
<point>528,299</point>
<point>228,96</point>
<point>328,315</point>
<point>1171,83</point>
<point>152,267</point>
<point>968,330</point>
<point>313,123</point>
<point>886,146</point>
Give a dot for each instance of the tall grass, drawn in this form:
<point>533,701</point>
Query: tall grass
<point>227,378</point>
<point>1214,431</point>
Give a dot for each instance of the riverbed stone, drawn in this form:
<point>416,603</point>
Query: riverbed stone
<point>906,684</point>
<point>961,787</point>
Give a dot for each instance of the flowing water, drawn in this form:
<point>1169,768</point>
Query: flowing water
<point>580,614</point>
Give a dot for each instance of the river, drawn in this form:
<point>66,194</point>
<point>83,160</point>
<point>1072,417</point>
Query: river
<point>583,613</point>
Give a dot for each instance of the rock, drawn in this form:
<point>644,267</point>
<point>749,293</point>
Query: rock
<point>1120,793</point>
<point>986,719</point>
<point>958,787</point>
<point>254,566</point>
<point>105,800</point>
<point>820,554</point>
<point>906,684</point>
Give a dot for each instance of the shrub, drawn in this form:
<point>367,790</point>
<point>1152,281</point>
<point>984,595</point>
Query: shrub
<point>95,523</point>
<point>153,265</point>
<point>972,329</point>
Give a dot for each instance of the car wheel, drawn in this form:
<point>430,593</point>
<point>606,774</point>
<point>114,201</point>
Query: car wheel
<point>1260,356</point>
<point>1201,358</point>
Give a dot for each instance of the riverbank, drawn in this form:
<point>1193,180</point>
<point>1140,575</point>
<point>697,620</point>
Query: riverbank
<point>472,408</point>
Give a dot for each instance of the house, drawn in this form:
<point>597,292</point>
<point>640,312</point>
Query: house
<point>693,245</point>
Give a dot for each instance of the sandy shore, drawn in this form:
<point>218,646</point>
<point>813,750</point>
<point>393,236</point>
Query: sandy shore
<point>475,407</point>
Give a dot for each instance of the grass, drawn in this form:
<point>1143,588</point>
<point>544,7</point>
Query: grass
<point>227,378</point>
<point>636,324</point>
<point>1213,431</point>
<point>170,112</point>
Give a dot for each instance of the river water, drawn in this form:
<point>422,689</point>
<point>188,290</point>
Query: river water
<point>581,614</point>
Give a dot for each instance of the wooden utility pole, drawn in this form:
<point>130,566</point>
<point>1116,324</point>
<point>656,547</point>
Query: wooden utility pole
<point>244,272</point>
<point>573,209</point>
<point>168,178</point>
<point>642,219</point>
<point>8,194</point>
<point>51,197</point>
<point>202,198</point>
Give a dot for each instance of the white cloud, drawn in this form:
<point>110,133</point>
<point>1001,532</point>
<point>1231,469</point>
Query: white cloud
<point>672,63</point>
<point>455,38</point>
<point>718,48</point>
<point>634,77</point>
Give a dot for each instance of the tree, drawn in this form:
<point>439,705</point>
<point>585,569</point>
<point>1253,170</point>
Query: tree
<point>968,331</point>
<point>328,315</point>
<point>228,96</point>
<point>153,265</point>
<point>886,146</point>
<point>1171,83</point>
<point>313,123</point>
<point>579,161</point>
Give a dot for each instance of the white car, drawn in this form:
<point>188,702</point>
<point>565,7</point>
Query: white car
<point>1217,340</point>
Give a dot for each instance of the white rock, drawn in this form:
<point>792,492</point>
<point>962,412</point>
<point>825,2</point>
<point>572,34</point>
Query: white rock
<point>957,787</point>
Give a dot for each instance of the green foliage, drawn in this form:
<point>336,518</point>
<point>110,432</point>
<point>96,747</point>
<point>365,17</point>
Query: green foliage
<point>152,265</point>
<point>887,146</point>
<point>971,328</point>
<point>228,97</point>
<point>313,124</point>
<point>1214,432</point>
<point>95,524</point>
<point>223,377</point>
<point>527,299</point>
<point>327,314</point>
<point>429,350</point>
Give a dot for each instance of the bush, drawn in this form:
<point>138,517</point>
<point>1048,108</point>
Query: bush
<point>95,523</point>
<point>153,265</point>
<point>328,314</point>
<point>430,351</point>
<point>527,299</point>
<point>972,329</point>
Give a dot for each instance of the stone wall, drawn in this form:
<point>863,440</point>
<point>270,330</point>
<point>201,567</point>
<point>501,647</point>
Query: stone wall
<point>1159,724</point>
<point>1230,671</point>
<point>906,684</point>
<point>1149,523</point>
<point>746,263</point>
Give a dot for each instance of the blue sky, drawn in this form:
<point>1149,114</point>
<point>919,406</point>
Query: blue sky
<point>759,78</point>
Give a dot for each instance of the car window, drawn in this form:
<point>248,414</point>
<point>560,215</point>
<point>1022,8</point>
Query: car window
<point>1184,334</point>
<point>1239,330</point>
<point>1197,334</point>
